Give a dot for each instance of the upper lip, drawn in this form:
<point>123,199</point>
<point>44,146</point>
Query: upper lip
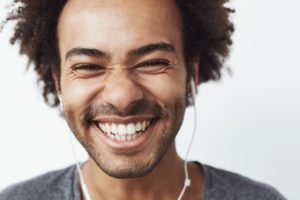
<point>122,120</point>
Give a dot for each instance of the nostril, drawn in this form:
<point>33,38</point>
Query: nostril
<point>121,90</point>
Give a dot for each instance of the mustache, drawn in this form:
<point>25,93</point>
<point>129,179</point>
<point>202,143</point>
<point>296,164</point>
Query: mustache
<point>139,107</point>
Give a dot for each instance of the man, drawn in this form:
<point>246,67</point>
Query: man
<point>121,71</point>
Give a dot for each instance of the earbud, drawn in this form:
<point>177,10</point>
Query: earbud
<point>187,181</point>
<point>192,94</point>
<point>191,100</point>
<point>60,103</point>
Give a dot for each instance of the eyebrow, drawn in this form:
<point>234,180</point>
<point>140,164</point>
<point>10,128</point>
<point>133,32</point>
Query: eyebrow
<point>151,48</point>
<point>143,50</point>
<point>86,52</point>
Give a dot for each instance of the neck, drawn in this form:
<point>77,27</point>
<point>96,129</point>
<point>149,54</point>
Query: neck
<point>164,182</point>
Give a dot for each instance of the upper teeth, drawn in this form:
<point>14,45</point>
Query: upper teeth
<point>124,129</point>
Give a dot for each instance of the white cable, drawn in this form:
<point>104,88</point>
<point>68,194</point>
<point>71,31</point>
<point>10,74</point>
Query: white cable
<point>187,181</point>
<point>81,179</point>
<point>82,182</point>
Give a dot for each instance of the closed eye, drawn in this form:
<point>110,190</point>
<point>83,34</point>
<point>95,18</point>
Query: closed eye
<point>87,70</point>
<point>155,63</point>
<point>87,67</point>
<point>153,66</point>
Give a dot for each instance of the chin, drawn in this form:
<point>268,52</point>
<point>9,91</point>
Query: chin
<point>132,165</point>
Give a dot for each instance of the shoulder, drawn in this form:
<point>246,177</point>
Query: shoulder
<point>47,186</point>
<point>221,184</point>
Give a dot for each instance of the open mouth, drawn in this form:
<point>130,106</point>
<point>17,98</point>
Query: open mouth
<point>124,132</point>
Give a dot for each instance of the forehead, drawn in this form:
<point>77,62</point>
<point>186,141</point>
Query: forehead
<point>112,24</point>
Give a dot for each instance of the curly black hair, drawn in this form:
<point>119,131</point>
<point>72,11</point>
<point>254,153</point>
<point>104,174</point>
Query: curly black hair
<point>207,34</point>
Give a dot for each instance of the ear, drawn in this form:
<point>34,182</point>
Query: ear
<point>196,64</point>
<point>57,83</point>
<point>193,83</point>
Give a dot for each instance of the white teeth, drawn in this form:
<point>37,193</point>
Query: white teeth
<point>143,125</point>
<point>123,132</point>
<point>123,137</point>
<point>138,126</point>
<point>107,128</point>
<point>114,128</point>
<point>130,129</point>
<point>122,129</point>
<point>102,127</point>
<point>118,137</point>
<point>129,137</point>
<point>134,136</point>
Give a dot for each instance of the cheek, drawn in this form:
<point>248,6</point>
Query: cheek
<point>78,93</point>
<point>165,88</point>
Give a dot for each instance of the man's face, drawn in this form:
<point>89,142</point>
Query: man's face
<point>123,80</point>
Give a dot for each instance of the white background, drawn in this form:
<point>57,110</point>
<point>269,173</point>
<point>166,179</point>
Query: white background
<point>248,123</point>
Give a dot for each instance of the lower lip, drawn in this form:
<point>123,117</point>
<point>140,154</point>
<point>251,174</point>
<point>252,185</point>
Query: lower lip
<point>120,145</point>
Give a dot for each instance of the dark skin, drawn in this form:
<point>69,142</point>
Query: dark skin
<point>203,27</point>
<point>115,67</point>
<point>206,26</point>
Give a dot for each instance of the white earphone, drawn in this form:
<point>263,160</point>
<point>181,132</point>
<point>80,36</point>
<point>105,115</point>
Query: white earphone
<point>187,181</point>
<point>61,106</point>
<point>82,182</point>
<point>192,94</point>
<point>192,101</point>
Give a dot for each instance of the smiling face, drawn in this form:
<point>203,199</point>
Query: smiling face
<point>123,80</point>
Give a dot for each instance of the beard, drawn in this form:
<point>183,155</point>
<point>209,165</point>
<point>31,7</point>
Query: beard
<point>129,164</point>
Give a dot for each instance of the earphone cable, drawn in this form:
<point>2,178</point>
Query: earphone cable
<point>187,181</point>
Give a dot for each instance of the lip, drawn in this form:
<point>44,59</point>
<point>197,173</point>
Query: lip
<point>131,145</point>
<point>123,120</point>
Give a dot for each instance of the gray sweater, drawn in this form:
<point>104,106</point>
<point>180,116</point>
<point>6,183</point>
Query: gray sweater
<point>64,185</point>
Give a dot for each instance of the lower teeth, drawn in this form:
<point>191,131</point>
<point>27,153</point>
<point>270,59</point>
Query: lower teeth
<point>123,137</point>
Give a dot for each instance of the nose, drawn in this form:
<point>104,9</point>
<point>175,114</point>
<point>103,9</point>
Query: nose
<point>121,90</point>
